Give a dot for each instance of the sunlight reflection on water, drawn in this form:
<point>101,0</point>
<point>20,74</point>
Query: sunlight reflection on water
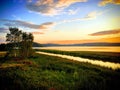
<point>84,48</point>
<point>112,65</point>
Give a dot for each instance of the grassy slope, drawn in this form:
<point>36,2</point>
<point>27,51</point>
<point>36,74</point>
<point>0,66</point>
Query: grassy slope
<point>42,72</point>
<point>105,56</point>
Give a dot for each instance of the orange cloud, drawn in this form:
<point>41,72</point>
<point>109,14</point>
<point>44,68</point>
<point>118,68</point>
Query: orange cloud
<point>105,32</point>
<point>111,40</point>
<point>105,40</point>
<point>50,7</point>
<point>46,25</point>
<point>104,2</point>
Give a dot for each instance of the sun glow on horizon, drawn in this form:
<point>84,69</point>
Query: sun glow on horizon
<point>63,21</point>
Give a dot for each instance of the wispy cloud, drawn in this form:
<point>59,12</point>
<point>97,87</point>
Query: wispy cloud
<point>104,2</point>
<point>72,12</point>
<point>37,33</point>
<point>105,32</point>
<point>3,30</point>
<point>50,7</point>
<point>93,14</point>
<point>16,17</point>
<point>25,24</point>
<point>90,16</point>
<point>2,39</point>
<point>47,25</point>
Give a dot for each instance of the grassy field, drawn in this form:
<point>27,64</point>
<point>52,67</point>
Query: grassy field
<point>42,72</point>
<point>104,56</point>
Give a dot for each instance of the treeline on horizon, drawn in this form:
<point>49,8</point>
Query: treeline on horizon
<point>3,46</point>
<point>82,44</point>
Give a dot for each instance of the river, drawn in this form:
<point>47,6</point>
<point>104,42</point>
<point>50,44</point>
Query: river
<point>112,65</point>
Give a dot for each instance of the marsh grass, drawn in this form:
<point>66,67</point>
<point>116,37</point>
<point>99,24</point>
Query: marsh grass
<point>42,72</point>
<point>104,56</point>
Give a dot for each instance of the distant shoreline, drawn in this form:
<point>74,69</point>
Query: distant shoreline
<point>78,44</point>
<point>83,48</point>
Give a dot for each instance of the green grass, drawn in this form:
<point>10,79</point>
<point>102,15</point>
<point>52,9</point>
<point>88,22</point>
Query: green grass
<point>104,56</point>
<point>42,72</point>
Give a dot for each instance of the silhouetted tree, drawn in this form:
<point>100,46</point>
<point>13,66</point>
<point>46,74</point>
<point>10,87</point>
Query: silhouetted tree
<point>19,43</point>
<point>3,47</point>
<point>26,44</point>
<point>14,38</point>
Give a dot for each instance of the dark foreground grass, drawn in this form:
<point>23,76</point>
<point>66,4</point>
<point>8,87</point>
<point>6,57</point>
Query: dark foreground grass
<point>42,72</point>
<point>104,56</point>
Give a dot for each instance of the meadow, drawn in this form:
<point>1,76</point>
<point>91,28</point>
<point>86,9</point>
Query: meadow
<point>43,72</point>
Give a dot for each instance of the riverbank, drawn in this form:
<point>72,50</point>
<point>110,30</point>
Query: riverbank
<point>45,72</point>
<point>110,65</point>
<point>104,56</point>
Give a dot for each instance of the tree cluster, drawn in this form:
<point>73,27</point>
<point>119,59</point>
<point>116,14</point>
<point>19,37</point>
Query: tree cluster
<point>3,47</point>
<point>19,43</point>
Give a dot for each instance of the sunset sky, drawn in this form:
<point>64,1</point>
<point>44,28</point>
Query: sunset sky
<point>62,21</point>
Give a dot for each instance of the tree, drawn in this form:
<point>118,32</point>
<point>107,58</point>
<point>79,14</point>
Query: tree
<point>14,38</point>
<point>3,47</point>
<point>26,44</point>
<point>20,43</point>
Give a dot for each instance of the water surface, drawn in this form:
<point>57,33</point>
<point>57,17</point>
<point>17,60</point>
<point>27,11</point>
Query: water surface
<point>94,62</point>
<point>84,48</point>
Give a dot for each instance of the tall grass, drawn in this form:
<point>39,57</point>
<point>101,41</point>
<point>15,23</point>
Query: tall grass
<point>42,72</point>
